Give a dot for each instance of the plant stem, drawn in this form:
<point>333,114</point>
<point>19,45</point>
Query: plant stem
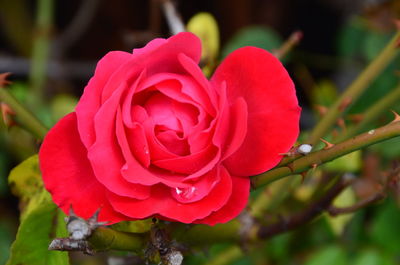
<point>41,50</point>
<point>305,215</point>
<point>23,116</point>
<point>305,163</point>
<point>289,44</point>
<point>373,113</point>
<point>355,89</point>
<point>206,235</point>
<point>104,238</point>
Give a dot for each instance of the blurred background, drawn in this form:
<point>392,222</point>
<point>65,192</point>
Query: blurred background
<point>66,38</point>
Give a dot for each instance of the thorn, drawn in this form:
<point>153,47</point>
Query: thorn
<point>71,212</point>
<point>290,166</point>
<point>3,79</point>
<point>345,103</point>
<point>314,166</point>
<point>397,23</point>
<point>303,176</point>
<point>322,110</point>
<point>327,144</point>
<point>396,116</point>
<point>7,114</point>
<point>356,118</point>
<point>291,152</point>
<point>341,124</point>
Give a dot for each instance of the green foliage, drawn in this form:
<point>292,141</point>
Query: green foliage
<point>61,105</point>
<point>385,229</point>
<point>330,255</point>
<point>41,221</point>
<point>257,36</point>
<point>348,163</point>
<point>25,180</point>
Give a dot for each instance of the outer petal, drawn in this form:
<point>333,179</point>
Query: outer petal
<point>273,111</point>
<point>235,204</point>
<point>68,175</point>
<point>162,203</point>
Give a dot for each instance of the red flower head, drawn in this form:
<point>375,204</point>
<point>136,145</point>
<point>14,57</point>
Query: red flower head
<point>151,136</point>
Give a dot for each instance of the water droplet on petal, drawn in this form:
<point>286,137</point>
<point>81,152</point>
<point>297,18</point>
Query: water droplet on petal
<point>146,150</point>
<point>186,193</point>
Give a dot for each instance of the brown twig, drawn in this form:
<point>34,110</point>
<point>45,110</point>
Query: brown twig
<point>308,214</point>
<point>334,211</point>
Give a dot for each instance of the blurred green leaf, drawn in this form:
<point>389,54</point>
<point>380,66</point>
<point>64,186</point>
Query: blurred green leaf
<point>258,36</point>
<point>389,149</point>
<point>278,247</point>
<point>324,94</point>
<point>385,228</point>
<point>40,225</point>
<point>25,179</point>
<point>205,27</point>
<point>331,255</point>
<point>61,105</point>
<point>41,221</point>
<point>345,199</point>
<point>372,257</point>
<point>6,238</point>
<point>348,163</point>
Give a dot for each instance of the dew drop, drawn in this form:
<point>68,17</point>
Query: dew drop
<point>146,150</point>
<point>186,193</point>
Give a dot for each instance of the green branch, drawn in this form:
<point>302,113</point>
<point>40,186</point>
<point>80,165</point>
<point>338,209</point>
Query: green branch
<point>373,112</point>
<point>305,163</point>
<point>23,116</point>
<point>104,238</point>
<point>41,50</point>
<point>355,89</point>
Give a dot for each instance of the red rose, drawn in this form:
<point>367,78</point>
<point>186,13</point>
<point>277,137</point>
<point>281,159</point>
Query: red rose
<point>151,136</point>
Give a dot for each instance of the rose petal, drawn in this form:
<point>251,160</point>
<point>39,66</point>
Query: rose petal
<point>105,154</point>
<point>90,101</point>
<point>236,203</point>
<point>68,175</point>
<point>273,112</point>
<point>162,204</point>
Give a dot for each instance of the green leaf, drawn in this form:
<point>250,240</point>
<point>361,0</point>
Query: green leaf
<point>349,163</point>
<point>345,199</point>
<point>40,225</point>
<point>25,179</point>
<point>41,220</point>
<point>257,36</point>
<point>385,230</point>
<point>331,255</point>
<point>61,105</point>
<point>205,27</point>
<point>372,257</point>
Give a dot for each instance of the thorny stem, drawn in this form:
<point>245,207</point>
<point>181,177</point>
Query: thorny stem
<point>289,44</point>
<point>373,112</point>
<point>305,163</point>
<point>23,116</point>
<point>355,89</point>
<point>41,50</point>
